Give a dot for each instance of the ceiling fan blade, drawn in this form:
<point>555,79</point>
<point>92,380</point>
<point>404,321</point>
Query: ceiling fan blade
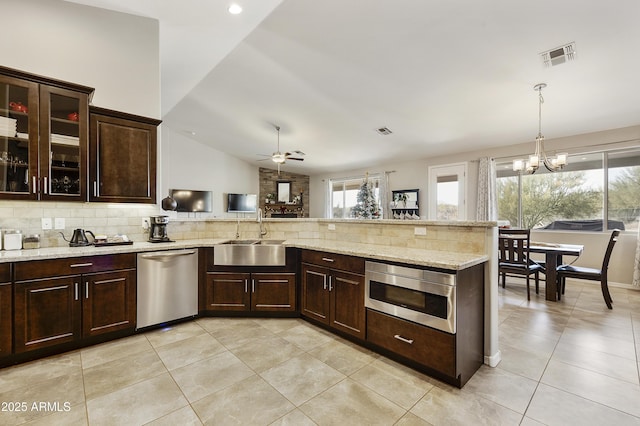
<point>294,158</point>
<point>295,152</point>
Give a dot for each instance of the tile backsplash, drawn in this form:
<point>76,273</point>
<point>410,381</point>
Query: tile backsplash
<point>112,219</point>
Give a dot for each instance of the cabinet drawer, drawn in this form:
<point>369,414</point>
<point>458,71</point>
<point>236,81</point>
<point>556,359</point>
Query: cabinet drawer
<point>73,266</point>
<point>334,261</point>
<point>424,345</point>
<point>5,272</point>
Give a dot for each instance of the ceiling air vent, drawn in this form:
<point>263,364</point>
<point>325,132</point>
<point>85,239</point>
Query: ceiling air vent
<point>559,55</point>
<point>383,131</point>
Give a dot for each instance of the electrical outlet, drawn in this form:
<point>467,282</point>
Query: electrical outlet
<point>58,223</point>
<point>420,230</point>
<point>46,223</point>
<point>145,223</point>
<point>332,227</point>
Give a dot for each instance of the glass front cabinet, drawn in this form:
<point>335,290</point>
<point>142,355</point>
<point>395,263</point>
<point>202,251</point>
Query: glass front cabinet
<point>43,138</point>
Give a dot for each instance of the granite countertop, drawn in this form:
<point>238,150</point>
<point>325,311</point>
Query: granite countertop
<point>421,257</point>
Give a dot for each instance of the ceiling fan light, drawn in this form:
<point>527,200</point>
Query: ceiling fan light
<point>278,158</point>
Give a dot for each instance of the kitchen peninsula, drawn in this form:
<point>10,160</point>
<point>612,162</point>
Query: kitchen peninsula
<point>455,247</point>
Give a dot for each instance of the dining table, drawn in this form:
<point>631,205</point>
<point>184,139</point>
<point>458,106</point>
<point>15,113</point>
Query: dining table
<point>553,257</point>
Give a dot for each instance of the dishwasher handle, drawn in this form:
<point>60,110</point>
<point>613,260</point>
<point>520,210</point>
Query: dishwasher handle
<point>167,255</point>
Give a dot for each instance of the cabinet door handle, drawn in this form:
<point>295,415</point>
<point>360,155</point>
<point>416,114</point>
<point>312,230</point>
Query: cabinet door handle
<point>79,265</point>
<point>76,286</point>
<point>330,286</point>
<point>34,185</point>
<point>324,282</point>
<point>95,188</point>
<point>402,339</point>
<point>86,289</point>
<point>44,189</point>
<point>328,259</point>
<point>253,285</point>
<point>246,285</point>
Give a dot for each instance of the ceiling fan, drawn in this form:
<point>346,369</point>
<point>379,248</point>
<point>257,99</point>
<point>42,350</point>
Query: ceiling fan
<point>281,158</point>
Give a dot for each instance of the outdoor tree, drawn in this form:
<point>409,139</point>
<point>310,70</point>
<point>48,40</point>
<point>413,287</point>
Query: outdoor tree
<point>624,195</point>
<point>548,197</point>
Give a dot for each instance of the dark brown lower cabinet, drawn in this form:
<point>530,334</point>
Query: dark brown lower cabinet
<point>64,307</point>
<point>239,291</point>
<point>333,296</point>
<point>6,312</point>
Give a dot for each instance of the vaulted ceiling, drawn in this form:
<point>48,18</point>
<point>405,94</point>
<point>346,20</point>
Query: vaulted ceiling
<point>443,76</point>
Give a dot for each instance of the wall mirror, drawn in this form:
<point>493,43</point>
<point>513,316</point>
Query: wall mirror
<point>284,191</point>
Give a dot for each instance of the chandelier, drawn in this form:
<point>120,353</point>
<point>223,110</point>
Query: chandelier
<point>553,164</point>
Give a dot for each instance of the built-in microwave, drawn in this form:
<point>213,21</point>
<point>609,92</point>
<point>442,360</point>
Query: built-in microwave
<point>418,295</point>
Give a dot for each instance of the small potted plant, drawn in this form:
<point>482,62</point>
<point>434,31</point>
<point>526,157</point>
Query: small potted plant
<point>270,198</point>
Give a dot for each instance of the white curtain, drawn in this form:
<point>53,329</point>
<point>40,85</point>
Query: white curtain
<point>487,206</point>
<point>383,191</point>
<point>636,263</point>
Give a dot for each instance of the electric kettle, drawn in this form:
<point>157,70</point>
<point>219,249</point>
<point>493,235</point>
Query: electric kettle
<point>79,238</point>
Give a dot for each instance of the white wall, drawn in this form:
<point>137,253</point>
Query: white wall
<point>188,164</point>
<point>115,53</point>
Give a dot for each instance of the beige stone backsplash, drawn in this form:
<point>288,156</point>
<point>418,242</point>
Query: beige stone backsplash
<point>112,219</point>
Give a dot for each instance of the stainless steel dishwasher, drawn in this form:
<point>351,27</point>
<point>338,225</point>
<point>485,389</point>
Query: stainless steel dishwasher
<point>167,286</point>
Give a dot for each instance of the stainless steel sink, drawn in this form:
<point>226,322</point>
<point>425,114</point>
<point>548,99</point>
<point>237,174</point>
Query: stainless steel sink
<point>250,253</point>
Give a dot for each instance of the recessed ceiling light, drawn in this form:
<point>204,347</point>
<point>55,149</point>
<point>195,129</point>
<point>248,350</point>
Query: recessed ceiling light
<point>235,9</point>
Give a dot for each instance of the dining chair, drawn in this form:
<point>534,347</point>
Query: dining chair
<point>513,256</point>
<point>568,271</point>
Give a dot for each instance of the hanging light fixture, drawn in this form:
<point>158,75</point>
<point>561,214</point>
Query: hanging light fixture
<point>553,164</point>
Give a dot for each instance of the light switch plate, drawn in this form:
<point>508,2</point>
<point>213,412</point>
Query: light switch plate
<point>46,223</point>
<point>420,230</point>
<point>145,223</point>
<point>332,227</point>
<point>59,223</point>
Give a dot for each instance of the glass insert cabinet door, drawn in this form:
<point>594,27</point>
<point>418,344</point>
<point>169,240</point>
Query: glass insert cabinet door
<point>18,138</point>
<point>63,149</point>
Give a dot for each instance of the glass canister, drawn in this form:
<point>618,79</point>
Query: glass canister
<point>12,239</point>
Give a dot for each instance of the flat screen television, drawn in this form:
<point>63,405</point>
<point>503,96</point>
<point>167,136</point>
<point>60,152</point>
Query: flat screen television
<point>192,201</point>
<point>242,203</point>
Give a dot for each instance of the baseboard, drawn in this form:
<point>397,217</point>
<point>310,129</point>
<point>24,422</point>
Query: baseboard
<point>493,360</point>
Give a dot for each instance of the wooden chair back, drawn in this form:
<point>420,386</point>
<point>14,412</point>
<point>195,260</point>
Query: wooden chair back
<point>513,246</point>
<point>607,255</point>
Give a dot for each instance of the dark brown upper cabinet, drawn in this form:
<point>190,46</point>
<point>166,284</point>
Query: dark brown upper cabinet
<point>122,157</point>
<point>43,137</point>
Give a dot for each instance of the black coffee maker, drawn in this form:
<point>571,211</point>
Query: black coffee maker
<point>158,229</point>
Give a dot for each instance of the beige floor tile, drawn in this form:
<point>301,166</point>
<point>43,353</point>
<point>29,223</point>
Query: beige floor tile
<point>306,336</point>
<point>459,407</point>
<point>235,335</point>
<point>249,402</point>
<point>351,403</point>
<point>597,387</point>
<point>301,378</point>
<point>553,406</point>
<point>116,349</point>
<point>344,356</point>
<point>184,417</point>
<point>74,415</point>
<point>114,375</point>
<point>205,377</point>
<point>522,362</point>
<point>262,354</point>
<point>39,370</point>
<point>600,362</point>
<point>278,325</point>
<point>411,419</point>
<point>598,342</point>
<point>502,387</point>
<point>174,333</point>
<point>540,345</point>
<point>57,391</point>
<point>396,383</point>
<point>294,418</point>
<point>137,404</point>
<point>184,352</point>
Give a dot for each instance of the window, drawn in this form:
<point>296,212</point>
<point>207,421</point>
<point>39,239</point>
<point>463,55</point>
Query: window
<point>591,189</point>
<point>447,193</point>
<point>344,194</point>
